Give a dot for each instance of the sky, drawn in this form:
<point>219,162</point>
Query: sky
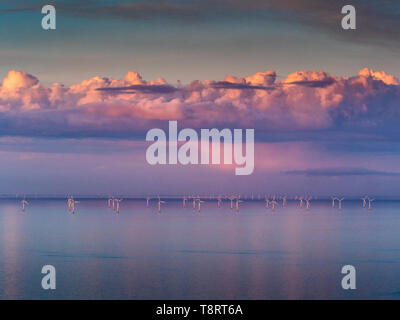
<point>76,102</point>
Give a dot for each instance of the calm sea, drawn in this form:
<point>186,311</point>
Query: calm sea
<point>181,254</point>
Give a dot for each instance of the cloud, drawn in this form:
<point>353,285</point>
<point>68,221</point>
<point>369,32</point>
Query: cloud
<point>309,105</point>
<point>237,86</point>
<point>336,172</point>
<point>163,88</point>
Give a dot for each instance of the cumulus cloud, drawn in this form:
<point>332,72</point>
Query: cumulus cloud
<point>303,102</point>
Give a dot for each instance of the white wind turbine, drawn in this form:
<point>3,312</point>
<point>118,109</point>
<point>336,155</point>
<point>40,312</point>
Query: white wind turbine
<point>284,201</point>
<point>147,201</point>
<point>273,204</point>
<point>184,201</point>
<point>73,202</point>
<point>301,202</point>
<point>69,202</point>
<point>199,201</point>
<point>232,198</point>
<point>219,202</point>
<point>340,203</point>
<point>237,203</point>
<point>364,205</point>
<point>369,203</point>
<point>159,204</point>
<point>308,203</point>
<point>333,201</point>
<point>24,202</point>
<point>117,206</point>
<point>266,202</point>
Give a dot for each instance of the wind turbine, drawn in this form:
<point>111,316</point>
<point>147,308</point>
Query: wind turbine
<point>147,201</point>
<point>117,206</point>
<point>266,202</point>
<point>369,203</point>
<point>232,198</point>
<point>364,201</point>
<point>199,201</point>
<point>333,201</point>
<point>24,202</point>
<point>301,202</point>
<point>184,202</point>
<point>284,201</point>
<point>237,203</point>
<point>69,202</point>
<point>73,202</point>
<point>273,204</point>
<point>159,204</point>
<point>308,203</point>
<point>340,203</point>
<point>219,202</point>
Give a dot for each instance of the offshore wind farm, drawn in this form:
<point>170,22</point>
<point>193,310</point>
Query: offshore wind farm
<point>158,247</point>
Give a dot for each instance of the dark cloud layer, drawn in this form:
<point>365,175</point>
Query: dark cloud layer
<point>337,172</point>
<point>154,89</point>
<point>377,21</point>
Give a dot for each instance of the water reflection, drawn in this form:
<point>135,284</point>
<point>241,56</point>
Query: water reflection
<point>218,254</point>
<point>11,255</point>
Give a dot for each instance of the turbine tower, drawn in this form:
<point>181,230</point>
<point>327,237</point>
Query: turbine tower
<point>266,202</point>
<point>117,206</point>
<point>237,203</point>
<point>69,202</point>
<point>219,202</point>
<point>333,201</point>
<point>369,203</point>
<point>159,204</point>
<point>147,202</point>
<point>301,202</point>
<point>340,203</point>
<point>199,201</point>
<point>308,203</point>
<point>73,202</point>
<point>24,202</point>
<point>364,205</point>
<point>184,202</point>
<point>284,201</point>
<point>273,204</point>
<point>232,198</point>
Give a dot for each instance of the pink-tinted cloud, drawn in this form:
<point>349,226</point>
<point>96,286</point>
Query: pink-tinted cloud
<point>303,101</point>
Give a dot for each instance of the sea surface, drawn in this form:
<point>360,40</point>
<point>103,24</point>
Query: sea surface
<point>218,253</point>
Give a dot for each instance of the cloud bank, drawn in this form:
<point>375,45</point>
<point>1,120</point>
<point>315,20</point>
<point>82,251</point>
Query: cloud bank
<point>304,105</point>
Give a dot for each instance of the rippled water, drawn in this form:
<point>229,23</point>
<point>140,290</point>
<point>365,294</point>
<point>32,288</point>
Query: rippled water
<point>181,254</point>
